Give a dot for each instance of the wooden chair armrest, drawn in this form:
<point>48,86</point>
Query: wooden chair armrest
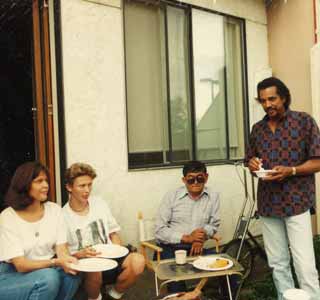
<point>201,284</point>
<point>144,245</point>
<point>217,238</point>
<point>151,246</point>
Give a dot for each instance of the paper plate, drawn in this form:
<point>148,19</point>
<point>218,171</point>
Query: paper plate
<point>264,173</point>
<point>111,250</point>
<point>170,296</point>
<point>207,263</point>
<point>94,264</point>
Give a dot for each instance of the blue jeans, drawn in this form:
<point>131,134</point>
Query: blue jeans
<point>43,284</point>
<point>295,231</point>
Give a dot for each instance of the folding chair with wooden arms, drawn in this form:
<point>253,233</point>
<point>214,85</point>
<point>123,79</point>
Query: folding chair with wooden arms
<point>147,241</point>
<point>148,246</point>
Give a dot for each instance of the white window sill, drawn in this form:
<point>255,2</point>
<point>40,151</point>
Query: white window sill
<point>113,3</point>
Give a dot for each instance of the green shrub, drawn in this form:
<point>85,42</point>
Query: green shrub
<point>316,243</point>
<point>262,289</point>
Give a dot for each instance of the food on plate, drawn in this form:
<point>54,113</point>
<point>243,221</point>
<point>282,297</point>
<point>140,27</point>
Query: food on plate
<point>219,263</point>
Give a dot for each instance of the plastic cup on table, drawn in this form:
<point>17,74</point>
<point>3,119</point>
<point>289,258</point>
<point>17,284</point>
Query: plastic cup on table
<point>180,256</point>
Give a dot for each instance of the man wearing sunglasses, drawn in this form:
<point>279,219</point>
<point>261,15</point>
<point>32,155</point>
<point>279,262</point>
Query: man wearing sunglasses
<point>188,215</point>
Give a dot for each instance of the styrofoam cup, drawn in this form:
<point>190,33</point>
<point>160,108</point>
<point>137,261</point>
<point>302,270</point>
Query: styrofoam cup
<point>181,257</point>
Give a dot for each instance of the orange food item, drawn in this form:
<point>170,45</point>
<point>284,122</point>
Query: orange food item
<point>219,263</point>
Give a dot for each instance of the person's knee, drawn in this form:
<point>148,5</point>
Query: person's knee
<point>137,263</point>
<point>49,282</point>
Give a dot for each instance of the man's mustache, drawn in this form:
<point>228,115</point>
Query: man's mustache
<point>269,108</point>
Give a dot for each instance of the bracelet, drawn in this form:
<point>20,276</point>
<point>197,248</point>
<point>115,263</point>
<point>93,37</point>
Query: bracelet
<point>294,171</point>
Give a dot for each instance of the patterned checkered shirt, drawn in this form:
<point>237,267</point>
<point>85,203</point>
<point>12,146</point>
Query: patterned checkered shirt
<point>179,214</point>
<point>294,141</point>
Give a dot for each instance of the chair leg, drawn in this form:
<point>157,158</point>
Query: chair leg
<point>156,283</point>
<point>229,288</point>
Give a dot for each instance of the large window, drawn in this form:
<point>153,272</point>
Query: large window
<point>185,85</point>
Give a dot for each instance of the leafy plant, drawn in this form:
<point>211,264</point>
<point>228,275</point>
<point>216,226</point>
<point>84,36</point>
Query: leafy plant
<point>264,288</point>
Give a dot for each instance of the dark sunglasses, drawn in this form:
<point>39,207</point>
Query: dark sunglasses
<point>198,178</point>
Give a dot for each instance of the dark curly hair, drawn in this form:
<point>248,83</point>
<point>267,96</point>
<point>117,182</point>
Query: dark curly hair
<point>282,89</point>
<point>18,193</point>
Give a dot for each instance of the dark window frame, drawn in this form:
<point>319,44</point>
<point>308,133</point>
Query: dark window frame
<point>60,98</point>
<point>246,122</point>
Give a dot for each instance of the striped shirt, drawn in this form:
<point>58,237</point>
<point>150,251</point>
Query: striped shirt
<point>179,214</point>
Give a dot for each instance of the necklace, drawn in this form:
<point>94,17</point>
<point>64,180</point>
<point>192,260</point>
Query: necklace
<point>36,225</point>
<point>36,230</point>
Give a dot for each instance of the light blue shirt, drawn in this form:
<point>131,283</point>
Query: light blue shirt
<point>179,214</point>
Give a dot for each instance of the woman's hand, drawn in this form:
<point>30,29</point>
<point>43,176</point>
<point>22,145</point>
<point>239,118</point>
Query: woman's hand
<point>64,262</point>
<point>65,259</point>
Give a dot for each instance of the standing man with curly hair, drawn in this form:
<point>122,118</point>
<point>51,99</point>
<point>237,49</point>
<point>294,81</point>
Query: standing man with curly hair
<point>287,142</point>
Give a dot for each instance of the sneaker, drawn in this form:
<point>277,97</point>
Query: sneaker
<point>108,297</point>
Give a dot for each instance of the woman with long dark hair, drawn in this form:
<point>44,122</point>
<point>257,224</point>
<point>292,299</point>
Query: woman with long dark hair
<point>33,253</point>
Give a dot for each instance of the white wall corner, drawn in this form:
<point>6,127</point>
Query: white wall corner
<point>318,19</point>
<point>315,79</point>
<point>113,3</point>
<point>258,64</point>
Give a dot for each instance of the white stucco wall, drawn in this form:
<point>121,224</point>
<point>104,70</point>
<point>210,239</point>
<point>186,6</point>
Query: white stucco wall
<point>95,111</point>
<point>258,65</point>
<point>315,89</point>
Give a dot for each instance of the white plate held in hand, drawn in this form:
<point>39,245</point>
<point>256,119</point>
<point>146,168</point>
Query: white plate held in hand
<point>207,263</point>
<point>94,264</point>
<point>111,250</point>
<point>264,173</point>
